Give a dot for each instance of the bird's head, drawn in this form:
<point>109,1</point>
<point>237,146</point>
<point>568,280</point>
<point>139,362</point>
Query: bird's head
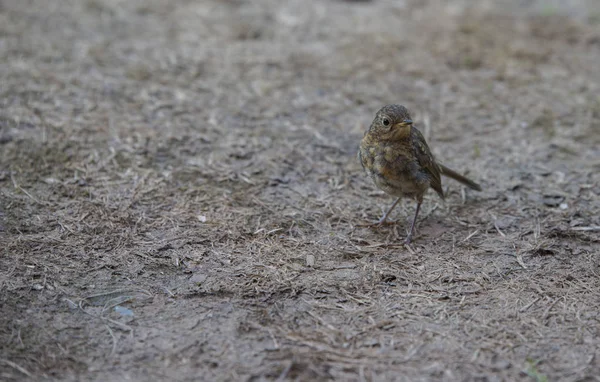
<point>391,120</point>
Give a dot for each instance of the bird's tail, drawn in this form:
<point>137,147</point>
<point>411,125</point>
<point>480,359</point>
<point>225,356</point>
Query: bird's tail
<point>456,176</point>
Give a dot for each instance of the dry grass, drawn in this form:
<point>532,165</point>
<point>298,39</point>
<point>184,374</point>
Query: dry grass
<point>193,163</point>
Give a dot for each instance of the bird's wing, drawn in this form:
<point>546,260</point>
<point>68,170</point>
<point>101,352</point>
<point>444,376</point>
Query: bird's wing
<point>427,161</point>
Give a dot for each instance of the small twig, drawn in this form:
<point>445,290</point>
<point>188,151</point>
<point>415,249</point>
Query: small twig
<point>285,372</point>
<point>361,302</point>
<point>520,260</point>
<point>471,235</point>
<point>169,292</point>
<point>15,366</point>
<point>590,228</point>
<point>320,320</point>
<point>529,305</point>
<point>547,311</point>
<point>409,248</point>
<point>106,297</point>
<point>120,325</point>
<point>18,187</point>
<point>498,228</point>
<point>114,347</point>
<point>275,343</point>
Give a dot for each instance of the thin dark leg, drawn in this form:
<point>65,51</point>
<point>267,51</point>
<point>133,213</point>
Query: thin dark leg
<point>412,226</point>
<point>383,219</point>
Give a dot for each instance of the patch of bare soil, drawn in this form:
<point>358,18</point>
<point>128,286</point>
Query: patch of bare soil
<point>180,195</point>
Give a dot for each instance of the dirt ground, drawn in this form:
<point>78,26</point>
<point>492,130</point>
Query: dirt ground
<point>180,195</point>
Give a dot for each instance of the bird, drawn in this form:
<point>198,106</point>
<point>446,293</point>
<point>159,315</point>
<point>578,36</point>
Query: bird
<point>397,158</point>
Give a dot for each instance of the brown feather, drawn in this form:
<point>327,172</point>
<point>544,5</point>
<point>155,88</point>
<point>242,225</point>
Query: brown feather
<point>426,160</point>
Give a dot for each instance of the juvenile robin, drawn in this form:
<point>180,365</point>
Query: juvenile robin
<point>395,155</point>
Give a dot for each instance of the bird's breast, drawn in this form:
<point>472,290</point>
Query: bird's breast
<point>391,168</point>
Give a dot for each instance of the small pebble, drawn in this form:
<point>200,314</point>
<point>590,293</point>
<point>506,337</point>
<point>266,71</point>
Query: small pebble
<point>123,311</point>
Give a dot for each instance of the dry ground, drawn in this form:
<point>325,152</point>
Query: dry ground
<point>179,191</point>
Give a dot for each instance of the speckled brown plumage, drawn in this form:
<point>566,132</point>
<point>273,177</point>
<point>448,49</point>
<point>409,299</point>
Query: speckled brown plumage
<point>395,155</point>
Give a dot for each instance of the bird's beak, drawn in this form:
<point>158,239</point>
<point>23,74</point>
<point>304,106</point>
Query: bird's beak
<point>406,122</point>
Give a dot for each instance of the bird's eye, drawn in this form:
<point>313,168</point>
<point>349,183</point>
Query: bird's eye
<point>386,122</point>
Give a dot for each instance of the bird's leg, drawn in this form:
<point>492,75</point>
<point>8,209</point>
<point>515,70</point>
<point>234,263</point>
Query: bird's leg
<point>412,226</point>
<point>383,219</point>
